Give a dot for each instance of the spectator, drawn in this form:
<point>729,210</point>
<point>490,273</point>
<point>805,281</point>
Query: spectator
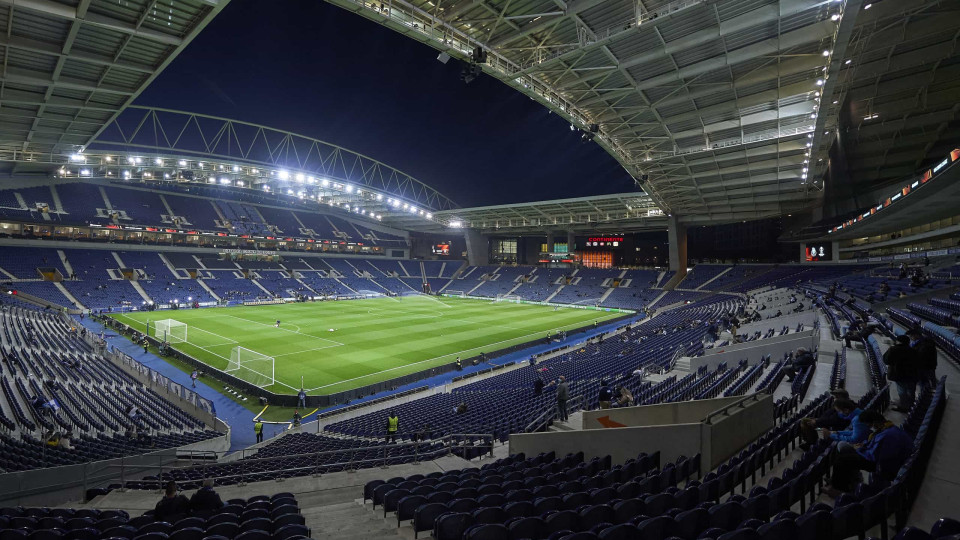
<point>926,351</point>
<point>393,424</point>
<point>857,431</point>
<point>296,418</point>
<point>884,452</point>
<point>563,394</point>
<point>606,394</point>
<point>302,399</point>
<point>830,420</point>
<point>461,408</point>
<point>193,378</point>
<point>538,386</point>
<point>172,506</point>
<point>65,441</point>
<point>258,429</point>
<point>802,359</point>
<point>625,398</point>
<point>901,363</point>
<point>205,501</point>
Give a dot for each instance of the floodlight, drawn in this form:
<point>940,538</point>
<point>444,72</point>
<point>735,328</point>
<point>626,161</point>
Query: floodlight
<point>835,17</point>
<point>826,53</point>
<point>289,192</point>
<point>311,179</point>
<point>429,215</point>
<point>76,157</point>
<point>379,196</point>
<point>324,182</point>
<point>819,82</point>
<point>349,188</point>
<point>84,172</point>
<point>240,183</point>
<point>109,159</point>
<point>300,177</point>
<point>183,163</point>
<point>284,175</point>
<point>158,161</point>
<point>131,161</point>
<point>126,174</point>
<point>236,168</point>
<point>254,171</point>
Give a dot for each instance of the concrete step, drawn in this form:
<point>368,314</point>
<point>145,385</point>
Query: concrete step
<point>349,521</point>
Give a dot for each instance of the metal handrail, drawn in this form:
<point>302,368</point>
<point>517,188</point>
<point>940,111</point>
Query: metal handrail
<point>550,412</point>
<point>724,410</point>
<point>451,443</point>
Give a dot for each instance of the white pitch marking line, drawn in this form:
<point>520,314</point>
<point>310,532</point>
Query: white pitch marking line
<point>284,329</point>
<point>486,346</point>
<point>305,351</point>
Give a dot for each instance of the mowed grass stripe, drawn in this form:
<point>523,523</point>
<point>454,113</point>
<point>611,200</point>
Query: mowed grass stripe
<point>381,338</point>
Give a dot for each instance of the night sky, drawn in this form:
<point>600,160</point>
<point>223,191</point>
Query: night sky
<point>309,67</point>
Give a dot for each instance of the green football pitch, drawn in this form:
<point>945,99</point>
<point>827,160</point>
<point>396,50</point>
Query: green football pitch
<point>371,340</point>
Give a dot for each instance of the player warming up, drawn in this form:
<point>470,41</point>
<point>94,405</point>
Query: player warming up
<point>278,324</point>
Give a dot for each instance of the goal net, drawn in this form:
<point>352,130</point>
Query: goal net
<point>170,330</point>
<point>251,366</point>
<point>461,294</point>
<point>509,298</point>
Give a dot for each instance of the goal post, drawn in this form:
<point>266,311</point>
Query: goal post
<point>514,298</point>
<point>170,330</point>
<point>251,366</point>
<point>461,294</point>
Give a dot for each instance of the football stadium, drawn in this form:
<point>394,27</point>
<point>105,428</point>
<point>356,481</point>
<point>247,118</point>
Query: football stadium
<point>479,269</point>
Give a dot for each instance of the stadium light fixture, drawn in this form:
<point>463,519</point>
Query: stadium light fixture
<point>131,161</point>
<point>284,175</point>
<point>289,192</point>
<point>826,53</point>
<point>138,160</point>
<point>379,196</point>
<point>835,17</point>
<point>183,163</point>
<point>300,177</point>
<point>84,172</point>
<point>324,182</point>
<point>348,188</point>
<point>240,183</point>
<point>236,168</point>
<point>819,83</point>
<point>254,171</point>
<point>126,174</point>
<point>429,215</point>
<point>158,161</point>
<point>311,180</point>
<point>77,157</point>
<point>109,159</point>
<point>224,181</point>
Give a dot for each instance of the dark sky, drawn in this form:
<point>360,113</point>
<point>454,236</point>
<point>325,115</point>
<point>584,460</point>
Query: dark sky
<point>309,67</point>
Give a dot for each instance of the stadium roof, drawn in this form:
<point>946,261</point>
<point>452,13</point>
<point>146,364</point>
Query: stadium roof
<point>622,212</point>
<point>715,104</point>
<point>70,66</point>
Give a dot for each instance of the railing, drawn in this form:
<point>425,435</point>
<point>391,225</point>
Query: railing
<point>550,412</point>
<point>55,485</point>
<point>724,411</point>
<point>251,466</point>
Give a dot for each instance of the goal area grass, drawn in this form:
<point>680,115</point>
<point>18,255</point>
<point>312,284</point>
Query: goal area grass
<point>371,340</point>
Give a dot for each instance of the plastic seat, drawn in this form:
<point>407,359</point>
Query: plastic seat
<point>226,529</point>
<point>493,514</point>
<point>518,509</point>
<point>625,511</point>
<point>784,529</point>
<point>596,514</point>
<point>726,516</point>
<point>546,504</point>
<point>623,531</point>
<point>656,528</point>
<point>290,531</point>
<point>526,527</point>
<point>741,534</point>
<point>425,516</point>
<point>566,520</point>
<point>814,526</point>
<point>254,535</point>
<point>688,525</point>
<point>451,526</point>
<point>945,527</point>
<point>256,524</point>
<point>848,521</point>
<point>46,534</point>
<point>123,531</point>
<point>406,507</point>
<point>188,533</point>
<point>912,533</point>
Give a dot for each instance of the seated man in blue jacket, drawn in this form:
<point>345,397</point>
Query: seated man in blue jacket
<point>856,432</point>
<point>885,451</point>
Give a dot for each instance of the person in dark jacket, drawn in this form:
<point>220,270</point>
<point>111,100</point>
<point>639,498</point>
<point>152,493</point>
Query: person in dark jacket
<point>884,452</point>
<point>901,363</point>
<point>830,419</point>
<point>563,394</point>
<point>802,359</point>
<point>205,501</point>
<point>926,357</point>
<point>172,506</point>
<point>606,394</point>
<point>538,386</point>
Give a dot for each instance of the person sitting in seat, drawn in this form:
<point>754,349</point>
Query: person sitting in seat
<point>831,420</point>
<point>461,408</point>
<point>606,394</point>
<point>857,431</point>
<point>625,397</point>
<point>802,359</point>
<point>884,452</point>
<point>172,506</point>
<point>205,501</point>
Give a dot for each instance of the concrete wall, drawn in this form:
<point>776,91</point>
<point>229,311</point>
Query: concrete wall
<point>726,434</point>
<point>753,351</point>
<point>730,433</point>
<point>621,444</point>
<point>684,412</point>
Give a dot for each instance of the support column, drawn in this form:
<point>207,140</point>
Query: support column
<point>550,240</point>
<point>478,252</point>
<point>571,242</point>
<point>677,238</point>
